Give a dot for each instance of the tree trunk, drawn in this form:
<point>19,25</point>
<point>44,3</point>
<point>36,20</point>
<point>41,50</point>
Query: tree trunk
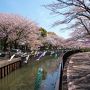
<point>5,43</point>
<point>15,45</point>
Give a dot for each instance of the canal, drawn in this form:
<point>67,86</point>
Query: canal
<point>25,77</point>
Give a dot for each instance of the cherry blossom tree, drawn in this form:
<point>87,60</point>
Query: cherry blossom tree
<point>52,40</point>
<point>76,14</point>
<point>15,28</point>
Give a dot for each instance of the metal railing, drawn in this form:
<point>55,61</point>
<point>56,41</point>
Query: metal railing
<point>62,65</point>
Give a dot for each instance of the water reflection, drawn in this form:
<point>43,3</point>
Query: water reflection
<point>4,83</point>
<point>24,78</point>
<point>50,82</point>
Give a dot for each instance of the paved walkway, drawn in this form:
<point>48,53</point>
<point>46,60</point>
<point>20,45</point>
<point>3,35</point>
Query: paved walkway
<point>4,62</point>
<point>78,72</point>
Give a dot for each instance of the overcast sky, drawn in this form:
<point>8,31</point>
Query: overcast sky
<point>34,10</point>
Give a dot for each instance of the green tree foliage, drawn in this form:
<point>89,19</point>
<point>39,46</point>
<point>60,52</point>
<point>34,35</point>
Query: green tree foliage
<point>43,32</point>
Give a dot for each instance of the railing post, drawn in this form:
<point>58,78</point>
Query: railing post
<point>61,74</point>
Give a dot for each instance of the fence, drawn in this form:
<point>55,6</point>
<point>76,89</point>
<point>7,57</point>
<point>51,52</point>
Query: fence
<point>8,67</point>
<point>62,65</point>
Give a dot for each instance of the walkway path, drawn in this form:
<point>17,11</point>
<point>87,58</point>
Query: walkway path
<point>5,62</point>
<point>78,72</point>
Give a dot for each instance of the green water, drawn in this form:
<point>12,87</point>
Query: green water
<point>24,78</point>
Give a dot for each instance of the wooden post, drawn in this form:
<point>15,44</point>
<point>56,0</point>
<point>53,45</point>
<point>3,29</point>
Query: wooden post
<point>5,70</point>
<point>0,72</point>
